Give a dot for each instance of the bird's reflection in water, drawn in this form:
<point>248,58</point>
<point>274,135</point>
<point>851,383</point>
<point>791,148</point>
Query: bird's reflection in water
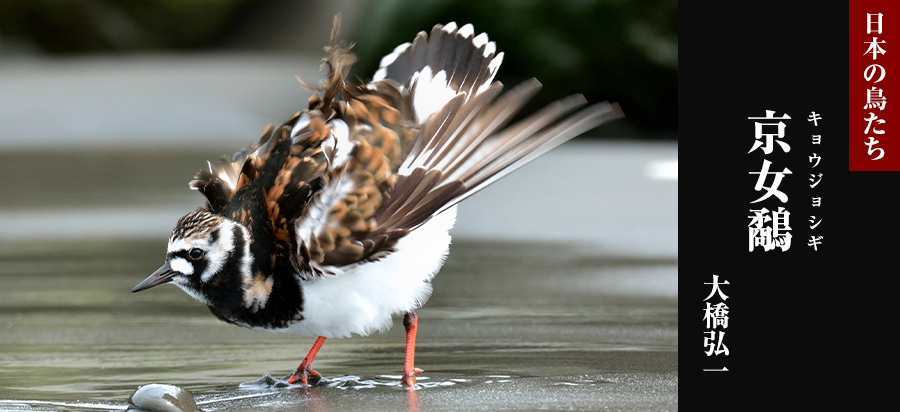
<point>412,400</point>
<point>316,400</point>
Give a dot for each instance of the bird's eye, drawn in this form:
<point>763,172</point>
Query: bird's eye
<point>195,254</point>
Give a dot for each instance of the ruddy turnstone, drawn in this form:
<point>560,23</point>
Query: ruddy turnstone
<point>338,219</point>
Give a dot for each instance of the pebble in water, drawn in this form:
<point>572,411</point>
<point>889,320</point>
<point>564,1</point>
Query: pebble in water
<point>161,398</point>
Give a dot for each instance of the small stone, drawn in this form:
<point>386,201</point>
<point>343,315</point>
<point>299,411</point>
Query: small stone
<point>157,397</point>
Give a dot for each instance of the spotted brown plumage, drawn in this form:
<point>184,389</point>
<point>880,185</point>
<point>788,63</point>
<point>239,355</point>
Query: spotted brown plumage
<point>338,219</point>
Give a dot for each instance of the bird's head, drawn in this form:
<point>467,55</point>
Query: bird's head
<point>206,252</point>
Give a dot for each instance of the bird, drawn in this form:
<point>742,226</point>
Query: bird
<point>337,220</point>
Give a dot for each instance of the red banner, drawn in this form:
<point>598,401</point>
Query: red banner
<point>874,79</point>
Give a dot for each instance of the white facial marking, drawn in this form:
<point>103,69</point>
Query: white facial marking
<point>247,259</point>
<point>184,284</point>
<point>180,265</point>
<point>215,253</point>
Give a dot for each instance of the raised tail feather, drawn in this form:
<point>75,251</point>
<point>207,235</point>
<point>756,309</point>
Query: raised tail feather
<point>433,69</point>
<point>462,145</point>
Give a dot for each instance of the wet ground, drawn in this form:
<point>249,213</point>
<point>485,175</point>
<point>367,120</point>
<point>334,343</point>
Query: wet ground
<point>579,312</point>
<point>510,324</point>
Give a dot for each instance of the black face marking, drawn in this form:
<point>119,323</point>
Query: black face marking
<point>226,295</point>
<point>199,268</point>
<point>180,253</point>
<point>267,255</point>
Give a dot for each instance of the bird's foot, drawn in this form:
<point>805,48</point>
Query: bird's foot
<point>303,375</point>
<point>304,371</point>
<point>409,379</point>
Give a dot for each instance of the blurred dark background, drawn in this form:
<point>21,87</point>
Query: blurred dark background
<point>624,51</point>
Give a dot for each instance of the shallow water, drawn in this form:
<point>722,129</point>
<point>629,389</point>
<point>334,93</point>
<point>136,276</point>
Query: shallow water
<point>510,325</point>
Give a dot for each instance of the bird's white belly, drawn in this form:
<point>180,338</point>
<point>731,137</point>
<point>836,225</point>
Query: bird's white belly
<point>362,299</point>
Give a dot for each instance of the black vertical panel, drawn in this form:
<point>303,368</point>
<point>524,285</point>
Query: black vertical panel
<point>737,60</point>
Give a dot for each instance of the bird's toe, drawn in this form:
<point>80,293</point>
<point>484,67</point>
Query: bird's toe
<point>304,376</point>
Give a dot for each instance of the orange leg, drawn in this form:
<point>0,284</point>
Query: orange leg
<point>410,322</point>
<point>303,371</point>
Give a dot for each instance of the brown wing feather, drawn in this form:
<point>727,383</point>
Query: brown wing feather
<point>403,170</point>
<point>331,230</point>
<point>223,179</point>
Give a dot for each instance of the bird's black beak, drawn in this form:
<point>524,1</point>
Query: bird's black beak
<point>162,275</point>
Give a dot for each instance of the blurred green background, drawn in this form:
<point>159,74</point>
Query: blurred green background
<point>624,51</point>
